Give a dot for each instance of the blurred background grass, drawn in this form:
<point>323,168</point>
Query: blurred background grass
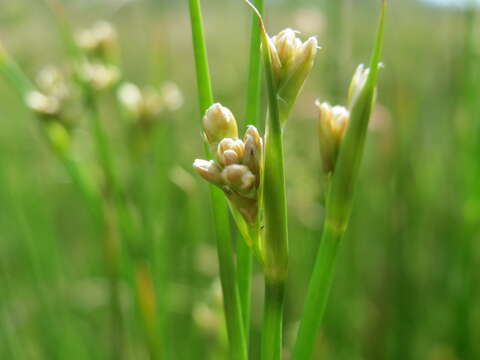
<point>407,280</point>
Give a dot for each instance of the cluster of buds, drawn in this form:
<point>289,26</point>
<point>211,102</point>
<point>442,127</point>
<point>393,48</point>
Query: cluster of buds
<point>292,61</point>
<point>100,76</point>
<point>333,121</point>
<point>99,41</point>
<point>50,103</point>
<point>237,165</point>
<point>49,100</point>
<point>99,44</point>
<point>144,104</point>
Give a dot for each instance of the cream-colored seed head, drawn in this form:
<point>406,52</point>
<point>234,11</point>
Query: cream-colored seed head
<point>100,76</point>
<point>171,95</point>
<point>219,123</point>
<point>333,121</point>
<point>229,157</point>
<point>293,54</point>
<point>228,144</point>
<point>42,104</point>
<point>130,97</point>
<point>286,44</point>
<point>101,35</point>
<point>253,149</point>
<point>305,54</point>
<point>208,170</point>
<point>238,177</point>
<point>51,81</point>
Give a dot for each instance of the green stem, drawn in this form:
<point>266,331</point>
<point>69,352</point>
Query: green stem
<point>273,320</point>
<point>232,307</point>
<point>274,247</point>
<point>339,205</point>
<point>317,295</point>
<point>244,253</point>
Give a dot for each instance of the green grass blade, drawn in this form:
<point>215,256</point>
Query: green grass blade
<point>252,113</point>
<point>338,209</point>
<point>232,306</point>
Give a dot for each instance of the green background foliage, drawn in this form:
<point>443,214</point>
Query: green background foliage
<point>406,280</point>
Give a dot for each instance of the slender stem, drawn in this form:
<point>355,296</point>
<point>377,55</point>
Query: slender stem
<point>232,308</point>
<point>317,296</point>
<point>273,320</point>
<point>244,253</point>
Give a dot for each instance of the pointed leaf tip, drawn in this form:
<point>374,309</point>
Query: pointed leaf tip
<point>377,52</point>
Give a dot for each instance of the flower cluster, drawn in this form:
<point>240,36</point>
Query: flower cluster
<point>292,61</point>
<point>97,41</point>
<point>52,103</point>
<point>49,100</point>
<point>99,45</point>
<point>145,103</point>
<point>237,165</point>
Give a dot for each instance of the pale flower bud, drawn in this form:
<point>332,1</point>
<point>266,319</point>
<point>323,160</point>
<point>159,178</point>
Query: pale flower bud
<point>100,76</point>
<point>130,97</point>
<point>42,104</point>
<point>51,81</point>
<point>101,37</point>
<point>219,123</point>
<point>209,171</point>
<point>229,157</point>
<point>333,122</point>
<point>171,95</point>
<point>238,178</point>
<point>304,56</point>
<point>358,82</point>
<point>253,150</point>
<point>296,60</point>
<point>228,144</point>
<point>286,44</point>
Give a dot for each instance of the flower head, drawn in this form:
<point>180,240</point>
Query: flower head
<point>292,60</point>
<point>219,123</point>
<point>237,165</point>
<point>333,121</point>
<point>97,41</point>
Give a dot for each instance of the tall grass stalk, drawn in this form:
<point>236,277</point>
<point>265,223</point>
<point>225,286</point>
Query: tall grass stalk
<point>275,241</point>
<point>19,81</point>
<point>228,275</point>
<point>338,205</point>
<point>252,114</point>
<point>115,197</point>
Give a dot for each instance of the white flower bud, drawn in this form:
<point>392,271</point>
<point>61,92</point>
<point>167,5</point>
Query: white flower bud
<point>209,171</point>
<point>101,36</point>
<point>42,104</point>
<point>304,56</point>
<point>171,95</point>
<point>51,81</point>
<point>333,122</point>
<point>295,61</point>
<point>100,76</point>
<point>286,44</point>
<point>228,144</point>
<point>238,178</point>
<point>130,97</point>
<point>219,123</point>
<point>229,157</point>
<point>253,150</point>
